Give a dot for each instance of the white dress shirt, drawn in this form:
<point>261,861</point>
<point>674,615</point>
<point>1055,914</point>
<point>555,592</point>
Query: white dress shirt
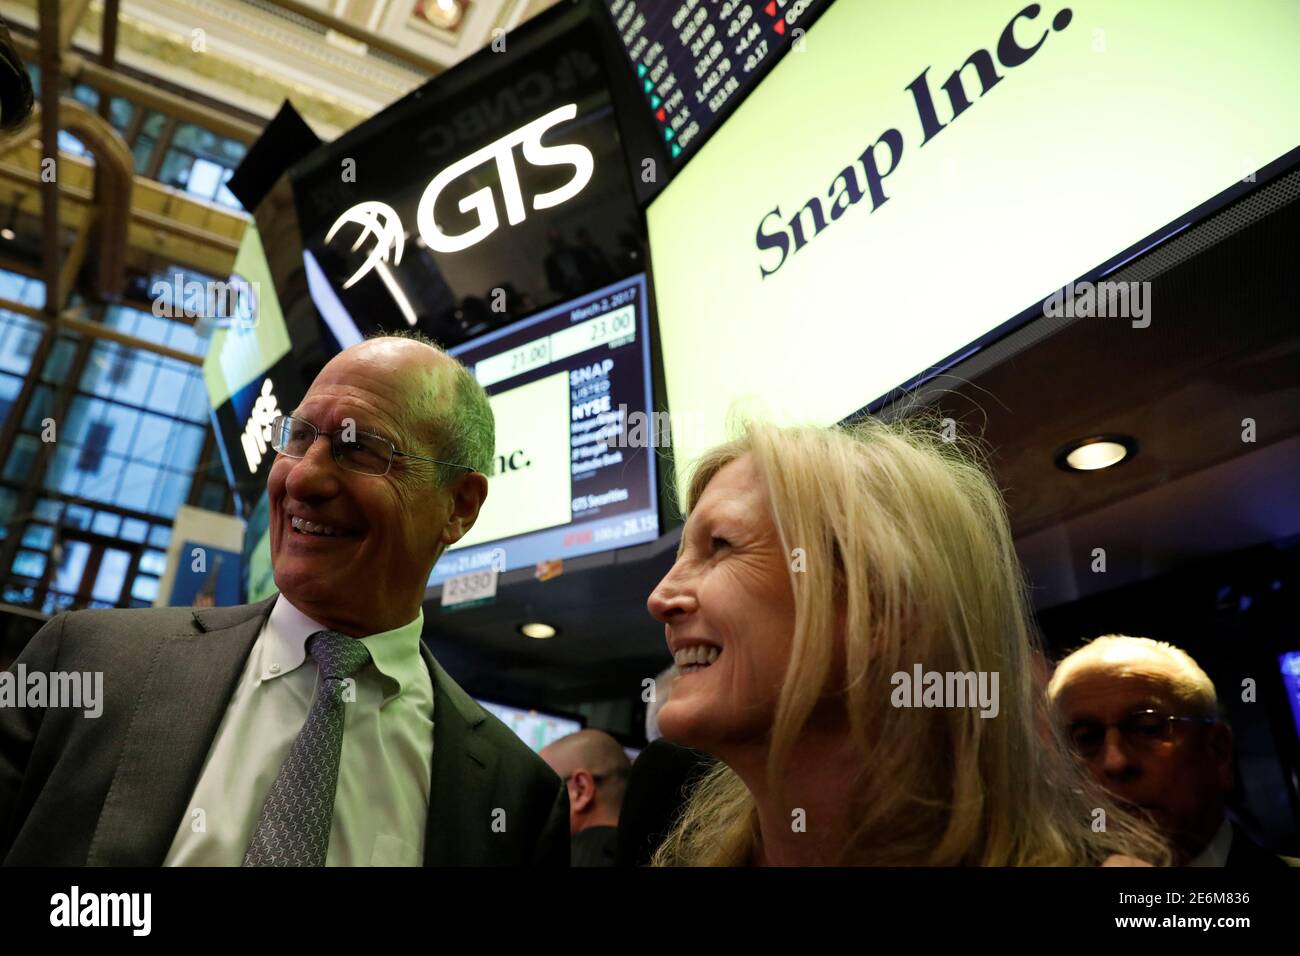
<point>382,801</point>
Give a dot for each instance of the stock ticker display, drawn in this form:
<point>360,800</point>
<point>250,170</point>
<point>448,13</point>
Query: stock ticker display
<point>697,59</point>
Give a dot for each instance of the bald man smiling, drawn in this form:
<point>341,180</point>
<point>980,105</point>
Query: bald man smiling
<point>314,728</point>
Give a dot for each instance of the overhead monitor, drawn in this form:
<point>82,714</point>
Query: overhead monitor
<point>926,174</point>
<point>695,60</point>
<point>250,369</point>
<point>498,188</point>
<point>570,478</point>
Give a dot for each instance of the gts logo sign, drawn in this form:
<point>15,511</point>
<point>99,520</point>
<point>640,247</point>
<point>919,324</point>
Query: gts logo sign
<point>381,220</point>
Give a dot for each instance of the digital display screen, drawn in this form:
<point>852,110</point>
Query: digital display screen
<point>251,373</point>
<point>696,59</point>
<point>497,189</point>
<point>533,727</point>
<point>569,478</point>
<point>927,172</point>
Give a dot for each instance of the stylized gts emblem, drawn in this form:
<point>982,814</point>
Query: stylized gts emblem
<point>380,219</point>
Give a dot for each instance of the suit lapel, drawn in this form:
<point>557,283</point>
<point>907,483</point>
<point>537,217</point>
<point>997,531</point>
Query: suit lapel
<point>463,769</point>
<point>185,693</point>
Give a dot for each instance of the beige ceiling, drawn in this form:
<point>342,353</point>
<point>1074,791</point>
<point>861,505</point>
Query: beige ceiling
<point>338,61</point>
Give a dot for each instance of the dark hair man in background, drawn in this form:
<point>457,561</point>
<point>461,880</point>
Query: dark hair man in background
<point>314,728</point>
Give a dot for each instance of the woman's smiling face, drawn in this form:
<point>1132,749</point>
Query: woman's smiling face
<point>728,599</point>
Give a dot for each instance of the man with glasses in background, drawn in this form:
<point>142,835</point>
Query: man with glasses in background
<point>1144,718</point>
<point>314,728</point>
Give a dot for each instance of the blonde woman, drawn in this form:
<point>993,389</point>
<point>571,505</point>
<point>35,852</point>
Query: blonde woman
<point>821,574</point>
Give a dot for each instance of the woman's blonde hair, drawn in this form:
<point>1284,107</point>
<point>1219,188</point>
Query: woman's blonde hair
<point>905,544</point>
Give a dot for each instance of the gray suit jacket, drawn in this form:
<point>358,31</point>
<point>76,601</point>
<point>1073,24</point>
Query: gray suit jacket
<point>111,790</point>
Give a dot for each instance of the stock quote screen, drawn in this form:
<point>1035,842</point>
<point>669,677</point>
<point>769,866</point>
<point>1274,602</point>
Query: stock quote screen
<point>563,386</point>
<point>696,59</point>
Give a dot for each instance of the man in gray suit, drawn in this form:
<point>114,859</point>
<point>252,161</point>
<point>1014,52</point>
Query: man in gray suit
<point>314,728</point>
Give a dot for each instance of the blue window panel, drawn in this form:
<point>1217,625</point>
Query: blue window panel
<point>33,294</point>
<point>38,536</point>
<point>142,151</point>
<point>153,439</point>
<point>11,285</point>
<point>70,144</point>
<point>119,373</point>
<point>145,589</point>
<point>196,406</point>
<point>154,329</point>
<point>111,576</point>
<point>124,421</point>
<point>169,386</point>
<point>184,339</point>
<point>22,458</point>
<point>10,386</point>
<point>137,487</point>
<point>18,338</point>
<point>122,318</point>
<point>134,386</point>
<point>103,486</point>
<point>205,179</point>
<point>228,199</point>
<point>91,457</point>
<point>59,362</point>
<point>22,595</point>
<point>61,474</point>
<point>18,341</point>
<point>41,408</point>
<point>54,603</point>
<point>187,445</point>
<point>133,529</point>
<point>48,510</point>
<point>29,564</point>
<point>71,566</point>
<point>77,516</point>
<point>86,94</point>
<point>160,535</point>
<point>120,112</point>
<point>153,562</point>
<point>172,490</point>
<point>106,523</point>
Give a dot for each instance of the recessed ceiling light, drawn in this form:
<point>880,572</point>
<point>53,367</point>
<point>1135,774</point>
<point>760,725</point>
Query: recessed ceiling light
<point>1096,453</point>
<point>443,13</point>
<point>537,629</point>
<point>7,233</point>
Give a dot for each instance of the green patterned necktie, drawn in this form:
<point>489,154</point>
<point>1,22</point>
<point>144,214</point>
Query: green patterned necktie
<point>294,828</point>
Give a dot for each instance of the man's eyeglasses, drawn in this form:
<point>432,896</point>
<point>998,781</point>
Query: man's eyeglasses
<point>357,451</point>
<point>1140,731</point>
